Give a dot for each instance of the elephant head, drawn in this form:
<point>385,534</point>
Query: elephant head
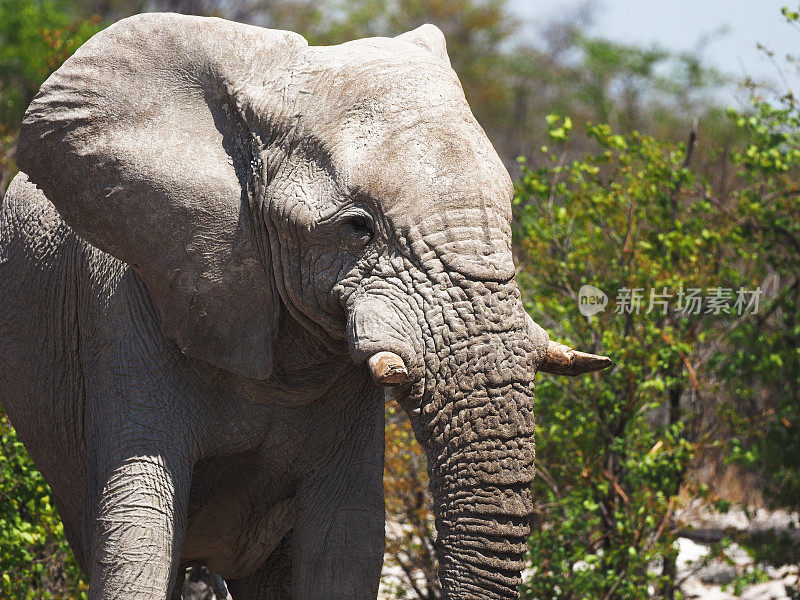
<point>253,181</point>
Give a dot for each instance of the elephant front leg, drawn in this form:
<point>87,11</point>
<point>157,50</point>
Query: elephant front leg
<point>338,537</point>
<point>136,523</point>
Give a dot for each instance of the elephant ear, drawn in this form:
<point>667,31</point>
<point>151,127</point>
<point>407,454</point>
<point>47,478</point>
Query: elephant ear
<point>144,141</point>
<point>429,37</point>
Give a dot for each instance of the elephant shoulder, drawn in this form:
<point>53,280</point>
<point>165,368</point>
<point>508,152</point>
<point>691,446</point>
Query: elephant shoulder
<point>40,255</point>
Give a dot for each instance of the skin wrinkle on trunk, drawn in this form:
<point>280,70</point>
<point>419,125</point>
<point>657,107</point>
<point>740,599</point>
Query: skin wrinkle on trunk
<point>479,432</point>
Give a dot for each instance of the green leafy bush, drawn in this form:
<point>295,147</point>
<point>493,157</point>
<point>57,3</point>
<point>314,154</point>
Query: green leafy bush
<point>35,561</point>
<point>614,449</point>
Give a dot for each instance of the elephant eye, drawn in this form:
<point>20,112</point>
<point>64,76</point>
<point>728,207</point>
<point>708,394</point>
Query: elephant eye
<point>357,232</point>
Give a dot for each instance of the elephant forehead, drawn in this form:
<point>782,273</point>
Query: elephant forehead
<point>426,163</point>
<point>368,91</point>
<point>411,142</point>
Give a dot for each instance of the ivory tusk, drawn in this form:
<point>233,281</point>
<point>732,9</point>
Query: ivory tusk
<point>387,369</point>
<point>563,360</point>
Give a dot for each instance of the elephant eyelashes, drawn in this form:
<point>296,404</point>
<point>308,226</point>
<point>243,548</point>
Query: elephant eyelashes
<point>357,232</point>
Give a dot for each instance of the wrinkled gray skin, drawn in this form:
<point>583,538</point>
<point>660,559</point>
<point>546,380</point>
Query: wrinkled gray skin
<point>214,227</point>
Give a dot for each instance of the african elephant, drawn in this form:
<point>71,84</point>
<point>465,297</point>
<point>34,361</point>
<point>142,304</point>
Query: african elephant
<point>221,240</point>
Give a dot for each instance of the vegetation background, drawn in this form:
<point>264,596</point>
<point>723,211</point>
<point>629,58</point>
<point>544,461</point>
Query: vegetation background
<point>631,177</point>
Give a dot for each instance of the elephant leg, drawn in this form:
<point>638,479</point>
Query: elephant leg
<point>135,526</point>
<point>143,436</point>
<point>135,505</point>
<point>338,535</point>
<point>272,581</point>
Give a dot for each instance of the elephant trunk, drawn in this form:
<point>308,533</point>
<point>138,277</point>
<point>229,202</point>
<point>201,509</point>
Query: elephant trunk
<point>477,428</point>
<point>481,551</point>
<point>480,452</point>
<point>480,483</point>
<point>469,397</point>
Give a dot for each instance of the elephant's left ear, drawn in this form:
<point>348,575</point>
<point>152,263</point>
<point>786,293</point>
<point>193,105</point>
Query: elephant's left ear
<point>148,142</point>
<point>429,37</point>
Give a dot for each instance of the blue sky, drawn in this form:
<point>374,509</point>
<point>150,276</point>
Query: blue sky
<point>679,24</point>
